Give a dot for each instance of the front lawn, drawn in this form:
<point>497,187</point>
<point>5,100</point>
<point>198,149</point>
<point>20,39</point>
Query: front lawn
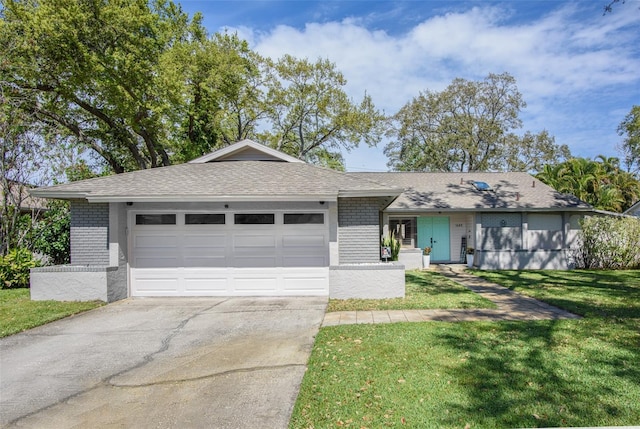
<point>605,293</point>
<point>19,313</point>
<point>423,290</point>
<point>487,374</point>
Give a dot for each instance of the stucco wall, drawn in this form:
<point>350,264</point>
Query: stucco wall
<point>375,281</point>
<point>522,259</point>
<point>545,231</point>
<point>89,233</point>
<point>69,283</point>
<point>411,258</point>
<point>501,231</point>
<point>359,230</point>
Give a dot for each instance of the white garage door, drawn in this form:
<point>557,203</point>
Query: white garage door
<point>280,253</point>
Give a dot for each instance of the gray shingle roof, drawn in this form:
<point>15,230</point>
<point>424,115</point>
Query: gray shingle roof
<point>455,191</point>
<point>218,180</point>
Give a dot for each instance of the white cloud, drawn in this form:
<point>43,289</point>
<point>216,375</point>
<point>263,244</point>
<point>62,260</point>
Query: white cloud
<point>561,61</point>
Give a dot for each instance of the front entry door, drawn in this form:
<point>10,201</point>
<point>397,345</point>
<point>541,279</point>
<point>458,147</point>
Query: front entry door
<point>434,232</point>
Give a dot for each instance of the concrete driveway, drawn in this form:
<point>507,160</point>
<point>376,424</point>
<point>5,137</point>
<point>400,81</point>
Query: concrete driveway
<point>162,363</point>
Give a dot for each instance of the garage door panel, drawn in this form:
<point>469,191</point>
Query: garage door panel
<point>155,285</point>
<point>149,241</point>
<point>255,284</point>
<point>157,261</point>
<point>227,259</point>
<point>252,261</point>
<point>304,261</point>
<point>252,241</point>
<point>205,261</point>
<point>213,241</point>
<point>316,241</point>
<point>207,286</point>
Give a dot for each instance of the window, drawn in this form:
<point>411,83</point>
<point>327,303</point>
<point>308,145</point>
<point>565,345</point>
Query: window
<point>405,230</point>
<point>204,219</point>
<point>254,219</point>
<point>302,218</point>
<point>155,219</point>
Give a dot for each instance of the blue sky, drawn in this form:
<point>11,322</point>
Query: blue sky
<point>578,71</point>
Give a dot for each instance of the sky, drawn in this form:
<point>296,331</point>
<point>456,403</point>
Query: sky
<point>577,69</point>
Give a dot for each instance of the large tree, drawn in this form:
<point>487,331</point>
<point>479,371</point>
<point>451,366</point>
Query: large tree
<point>220,83</point>
<point>600,182</point>
<point>135,81</point>
<point>93,70</point>
<point>312,117</point>
<point>468,127</point>
<point>630,129</point>
<point>141,85</point>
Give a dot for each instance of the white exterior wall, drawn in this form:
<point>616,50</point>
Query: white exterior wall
<point>411,258</point>
<point>457,230</point>
<point>522,259</point>
<point>69,283</point>
<point>544,231</point>
<point>367,281</point>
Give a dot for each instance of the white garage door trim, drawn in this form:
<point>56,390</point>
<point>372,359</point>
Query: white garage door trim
<point>229,260</point>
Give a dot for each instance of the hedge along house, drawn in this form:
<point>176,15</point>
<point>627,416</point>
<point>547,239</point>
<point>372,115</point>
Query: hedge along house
<point>511,220</point>
<point>242,221</point>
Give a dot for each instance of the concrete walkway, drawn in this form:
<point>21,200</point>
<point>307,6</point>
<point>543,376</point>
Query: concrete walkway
<point>511,306</point>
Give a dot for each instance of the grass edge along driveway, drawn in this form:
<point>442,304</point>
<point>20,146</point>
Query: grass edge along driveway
<point>18,313</point>
<point>486,374</point>
<point>424,290</point>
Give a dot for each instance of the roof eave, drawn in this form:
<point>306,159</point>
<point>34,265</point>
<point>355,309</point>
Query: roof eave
<point>484,209</point>
<point>207,198</point>
<point>370,193</point>
<point>59,195</point>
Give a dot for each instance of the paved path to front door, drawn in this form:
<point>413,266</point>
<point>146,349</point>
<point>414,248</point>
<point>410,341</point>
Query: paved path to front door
<point>511,306</point>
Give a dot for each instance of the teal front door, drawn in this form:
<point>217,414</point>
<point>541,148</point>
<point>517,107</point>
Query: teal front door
<point>434,232</point>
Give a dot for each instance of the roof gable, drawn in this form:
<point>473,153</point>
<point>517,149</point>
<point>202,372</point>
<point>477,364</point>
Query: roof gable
<point>245,150</point>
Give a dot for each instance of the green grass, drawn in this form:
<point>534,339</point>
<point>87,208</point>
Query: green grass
<point>423,290</point>
<point>19,313</point>
<point>585,292</point>
<point>487,374</point>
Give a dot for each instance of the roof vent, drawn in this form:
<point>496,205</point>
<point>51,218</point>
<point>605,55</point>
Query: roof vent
<point>482,186</point>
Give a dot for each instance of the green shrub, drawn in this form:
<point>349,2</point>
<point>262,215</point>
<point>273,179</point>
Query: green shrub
<point>14,268</point>
<point>52,233</point>
<point>609,243</point>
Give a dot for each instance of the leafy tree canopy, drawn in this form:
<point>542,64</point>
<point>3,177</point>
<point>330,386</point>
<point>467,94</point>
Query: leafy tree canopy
<point>630,129</point>
<point>468,127</point>
<point>311,115</point>
<point>141,85</point>
<point>599,182</point>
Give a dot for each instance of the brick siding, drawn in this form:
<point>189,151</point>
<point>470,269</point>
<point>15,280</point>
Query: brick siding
<point>89,233</point>
<point>359,230</point>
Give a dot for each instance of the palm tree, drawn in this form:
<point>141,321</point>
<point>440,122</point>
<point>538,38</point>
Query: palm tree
<point>599,182</point>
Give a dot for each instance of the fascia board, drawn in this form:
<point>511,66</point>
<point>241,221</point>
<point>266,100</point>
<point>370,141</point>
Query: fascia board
<point>370,193</point>
<point>487,209</point>
<point>61,195</point>
<point>205,198</point>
